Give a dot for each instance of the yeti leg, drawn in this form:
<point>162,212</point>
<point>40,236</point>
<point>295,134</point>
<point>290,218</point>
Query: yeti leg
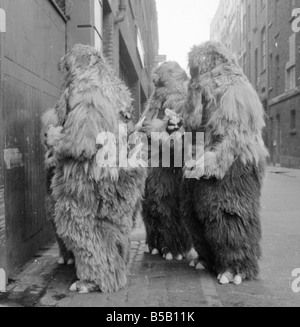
<point>176,238</point>
<point>65,256</point>
<point>84,287</point>
<point>152,235</point>
<point>235,242</point>
<point>200,255</point>
<point>101,256</point>
<point>152,223</point>
<point>166,233</point>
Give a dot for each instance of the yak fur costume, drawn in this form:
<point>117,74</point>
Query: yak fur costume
<point>220,201</point>
<point>94,204</point>
<point>161,212</point>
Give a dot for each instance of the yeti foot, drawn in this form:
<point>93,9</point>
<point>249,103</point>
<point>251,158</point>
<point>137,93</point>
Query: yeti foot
<point>169,256</point>
<point>154,252</point>
<point>193,263</point>
<point>69,262</point>
<point>192,254</point>
<point>197,265</point>
<point>61,261</point>
<point>228,277</point>
<point>84,287</point>
<point>200,266</point>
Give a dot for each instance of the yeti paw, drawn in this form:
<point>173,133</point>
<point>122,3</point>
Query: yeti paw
<point>175,121</point>
<point>205,167</point>
<point>54,135</point>
<point>84,287</point>
<point>228,278</point>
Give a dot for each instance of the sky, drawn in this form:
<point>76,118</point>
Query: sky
<point>182,24</point>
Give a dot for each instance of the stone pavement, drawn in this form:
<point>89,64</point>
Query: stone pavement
<point>153,282</point>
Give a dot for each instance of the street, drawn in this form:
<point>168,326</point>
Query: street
<point>154,282</point>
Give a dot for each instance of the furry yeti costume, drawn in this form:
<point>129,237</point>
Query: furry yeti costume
<point>94,206</point>
<point>165,232</point>
<point>221,203</point>
<point>49,120</point>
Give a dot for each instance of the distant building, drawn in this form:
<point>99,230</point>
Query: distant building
<point>37,34</point>
<point>226,26</point>
<point>269,54</point>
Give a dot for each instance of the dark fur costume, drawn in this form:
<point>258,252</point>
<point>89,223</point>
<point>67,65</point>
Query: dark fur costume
<point>221,203</point>
<point>165,231</point>
<point>94,206</point>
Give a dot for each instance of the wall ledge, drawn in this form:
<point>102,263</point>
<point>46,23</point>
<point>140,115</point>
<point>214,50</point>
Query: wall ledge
<point>285,96</point>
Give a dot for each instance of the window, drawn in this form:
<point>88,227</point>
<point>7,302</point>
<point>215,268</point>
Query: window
<point>271,71</point>
<point>244,26</point>
<point>256,67</point>
<point>276,11</point>
<point>249,61</point>
<point>263,49</point>
<point>255,14</point>
<point>278,133</point>
<point>291,78</point>
<point>249,17</point>
<point>277,80</point>
<point>290,81</point>
<point>272,130</point>
<point>293,121</point>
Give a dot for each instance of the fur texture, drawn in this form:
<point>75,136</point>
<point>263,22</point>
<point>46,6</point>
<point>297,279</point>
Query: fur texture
<point>50,120</point>
<point>221,204</point>
<point>165,231</point>
<point>94,207</point>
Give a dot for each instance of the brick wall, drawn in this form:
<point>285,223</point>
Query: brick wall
<point>282,48</point>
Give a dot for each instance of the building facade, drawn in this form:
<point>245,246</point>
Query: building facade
<point>269,54</point>
<point>33,38</point>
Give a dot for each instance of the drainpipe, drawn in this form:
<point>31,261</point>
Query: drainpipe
<point>268,141</point>
<point>121,15</point>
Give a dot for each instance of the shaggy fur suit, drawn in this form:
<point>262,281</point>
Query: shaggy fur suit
<point>220,204</point>
<point>161,211</point>
<point>94,205</point>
